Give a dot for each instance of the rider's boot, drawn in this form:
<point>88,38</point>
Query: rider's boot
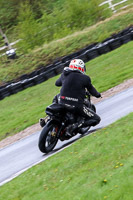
<point>88,123</point>
<point>70,130</point>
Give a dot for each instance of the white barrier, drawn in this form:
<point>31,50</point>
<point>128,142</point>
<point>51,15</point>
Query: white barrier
<point>13,43</point>
<point>112,6</point>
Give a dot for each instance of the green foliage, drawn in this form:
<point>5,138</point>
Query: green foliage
<point>8,13</point>
<point>79,14</point>
<point>50,19</point>
<point>64,19</point>
<point>9,10</point>
<point>28,28</point>
<point>74,15</point>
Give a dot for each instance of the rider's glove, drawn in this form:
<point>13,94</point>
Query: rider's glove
<point>99,95</point>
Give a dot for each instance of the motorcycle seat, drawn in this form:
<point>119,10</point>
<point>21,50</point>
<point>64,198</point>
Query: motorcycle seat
<point>55,108</point>
<point>69,108</point>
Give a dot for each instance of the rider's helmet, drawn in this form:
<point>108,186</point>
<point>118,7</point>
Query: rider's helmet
<point>77,65</point>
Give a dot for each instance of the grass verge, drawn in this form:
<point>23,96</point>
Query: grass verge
<point>97,167</point>
<point>25,108</point>
<point>11,69</point>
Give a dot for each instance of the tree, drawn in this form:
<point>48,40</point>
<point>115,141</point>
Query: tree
<point>28,28</point>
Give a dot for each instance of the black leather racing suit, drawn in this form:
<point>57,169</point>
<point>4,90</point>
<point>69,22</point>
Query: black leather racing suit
<point>72,93</point>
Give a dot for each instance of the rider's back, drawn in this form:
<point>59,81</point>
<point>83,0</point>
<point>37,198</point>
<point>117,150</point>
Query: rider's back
<point>73,87</point>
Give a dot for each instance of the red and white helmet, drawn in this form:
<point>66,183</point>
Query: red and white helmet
<point>77,65</point>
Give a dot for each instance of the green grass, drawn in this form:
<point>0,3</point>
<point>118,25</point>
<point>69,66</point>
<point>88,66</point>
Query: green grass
<point>97,167</point>
<point>111,69</point>
<point>47,53</point>
<point>25,108</point>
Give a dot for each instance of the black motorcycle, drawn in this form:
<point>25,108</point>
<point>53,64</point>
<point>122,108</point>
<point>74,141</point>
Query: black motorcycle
<point>58,118</point>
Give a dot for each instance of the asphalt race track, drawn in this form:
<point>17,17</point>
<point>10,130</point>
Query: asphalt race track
<point>20,156</point>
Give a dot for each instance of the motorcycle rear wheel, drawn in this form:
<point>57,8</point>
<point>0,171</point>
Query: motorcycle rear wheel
<point>48,138</point>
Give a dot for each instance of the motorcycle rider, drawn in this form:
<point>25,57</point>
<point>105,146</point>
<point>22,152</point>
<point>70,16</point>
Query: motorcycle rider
<point>74,83</point>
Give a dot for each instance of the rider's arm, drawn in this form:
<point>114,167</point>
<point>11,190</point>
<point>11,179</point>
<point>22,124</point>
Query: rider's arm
<point>58,82</point>
<point>92,89</point>
<point>94,92</point>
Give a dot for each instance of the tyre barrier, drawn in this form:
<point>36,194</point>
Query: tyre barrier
<point>86,54</point>
<point>103,48</point>
<point>127,38</point>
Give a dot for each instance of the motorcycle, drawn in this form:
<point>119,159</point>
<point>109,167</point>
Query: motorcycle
<point>57,120</point>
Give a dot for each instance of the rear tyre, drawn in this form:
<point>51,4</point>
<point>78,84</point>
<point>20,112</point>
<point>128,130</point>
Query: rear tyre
<point>48,138</point>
